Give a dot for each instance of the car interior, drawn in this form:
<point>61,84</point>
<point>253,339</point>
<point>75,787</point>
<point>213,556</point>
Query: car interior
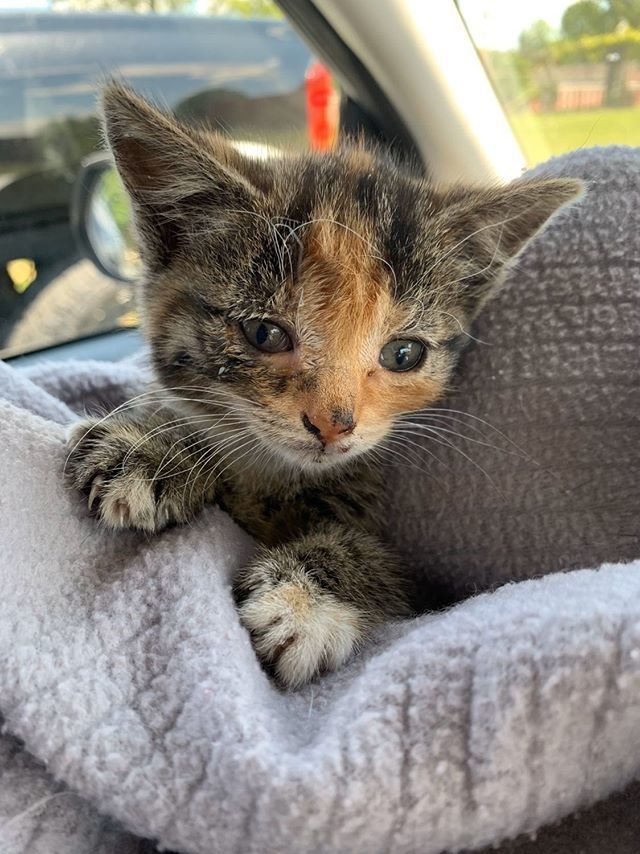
<point>383,56</point>
<point>505,718</point>
<point>391,64</point>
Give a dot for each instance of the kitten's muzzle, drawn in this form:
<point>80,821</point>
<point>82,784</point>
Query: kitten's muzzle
<point>330,427</point>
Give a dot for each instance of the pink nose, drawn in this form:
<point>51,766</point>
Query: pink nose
<point>329,427</point>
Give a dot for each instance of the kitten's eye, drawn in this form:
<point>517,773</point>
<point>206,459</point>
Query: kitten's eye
<point>403,354</point>
<point>266,336</point>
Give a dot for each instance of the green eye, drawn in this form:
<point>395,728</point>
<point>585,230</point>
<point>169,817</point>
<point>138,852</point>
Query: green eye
<point>266,336</point>
<point>403,354</point>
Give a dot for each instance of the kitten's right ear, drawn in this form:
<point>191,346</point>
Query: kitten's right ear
<point>164,165</point>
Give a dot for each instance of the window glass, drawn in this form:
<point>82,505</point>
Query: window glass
<point>234,64</point>
<point>567,73</point>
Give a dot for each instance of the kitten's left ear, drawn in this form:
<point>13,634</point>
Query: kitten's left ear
<point>494,225</point>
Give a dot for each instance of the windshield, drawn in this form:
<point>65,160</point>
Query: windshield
<point>567,73</point>
<point>236,66</point>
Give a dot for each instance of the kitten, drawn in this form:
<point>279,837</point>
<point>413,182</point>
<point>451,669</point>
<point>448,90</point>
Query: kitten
<point>295,308</point>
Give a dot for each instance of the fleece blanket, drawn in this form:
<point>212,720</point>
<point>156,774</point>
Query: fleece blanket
<point>126,675</point>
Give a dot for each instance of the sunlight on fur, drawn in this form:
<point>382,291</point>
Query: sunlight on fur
<point>302,311</point>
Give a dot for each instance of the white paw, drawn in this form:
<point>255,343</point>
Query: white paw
<point>126,501</point>
<point>300,631</point>
<point>107,461</point>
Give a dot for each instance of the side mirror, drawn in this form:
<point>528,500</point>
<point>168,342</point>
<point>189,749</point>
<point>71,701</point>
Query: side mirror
<point>102,221</point>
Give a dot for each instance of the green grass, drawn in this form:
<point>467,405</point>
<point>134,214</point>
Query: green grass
<point>544,134</point>
<point>116,199</point>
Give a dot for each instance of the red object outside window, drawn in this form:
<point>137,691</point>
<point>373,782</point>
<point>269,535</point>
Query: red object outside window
<point>323,107</point>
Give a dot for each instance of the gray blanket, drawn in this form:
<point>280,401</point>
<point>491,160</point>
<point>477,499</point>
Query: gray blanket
<point>126,673</point>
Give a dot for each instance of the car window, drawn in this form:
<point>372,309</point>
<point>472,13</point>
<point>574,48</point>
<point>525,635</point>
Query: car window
<point>235,64</point>
<point>567,73</point>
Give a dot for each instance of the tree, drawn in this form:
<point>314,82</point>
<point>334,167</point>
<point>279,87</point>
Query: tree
<point>586,18</point>
<point>243,8</point>
<point>535,46</point>
<point>535,42</point>
<point>121,5</point>
<point>597,17</point>
<point>246,8</point>
<point>626,11</point>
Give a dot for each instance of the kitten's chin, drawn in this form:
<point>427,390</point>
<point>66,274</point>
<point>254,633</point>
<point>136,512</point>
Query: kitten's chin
<point>319,459</point>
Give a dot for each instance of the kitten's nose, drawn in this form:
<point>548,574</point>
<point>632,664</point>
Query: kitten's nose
<point>330,426</point>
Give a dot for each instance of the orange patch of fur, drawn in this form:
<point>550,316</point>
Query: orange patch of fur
<point>346,314</point>
<point>361,159</point>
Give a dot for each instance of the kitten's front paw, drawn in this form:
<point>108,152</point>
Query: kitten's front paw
<point>109,462</point>
<point>298,629</point>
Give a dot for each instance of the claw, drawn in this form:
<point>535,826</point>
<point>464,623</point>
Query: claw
<point>94,495</point>
<point>123,513</point>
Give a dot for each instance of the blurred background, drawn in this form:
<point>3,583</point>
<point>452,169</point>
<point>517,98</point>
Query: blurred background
<point>566,75</point>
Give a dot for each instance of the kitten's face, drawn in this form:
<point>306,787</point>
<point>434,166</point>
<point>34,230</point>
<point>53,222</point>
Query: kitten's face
<point>323,362</point>
<point>315,298</point>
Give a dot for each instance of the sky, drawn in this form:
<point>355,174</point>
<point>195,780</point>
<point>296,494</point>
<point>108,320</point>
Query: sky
<point>494,24</point>
<point>15,5</point>
<point>21,5</point>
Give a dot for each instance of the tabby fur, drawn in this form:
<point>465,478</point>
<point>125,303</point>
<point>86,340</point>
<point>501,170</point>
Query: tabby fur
<point>345,251</point>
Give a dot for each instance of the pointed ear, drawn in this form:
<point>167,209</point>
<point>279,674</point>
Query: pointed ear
<point>168,168</point>
<point>494,225</point>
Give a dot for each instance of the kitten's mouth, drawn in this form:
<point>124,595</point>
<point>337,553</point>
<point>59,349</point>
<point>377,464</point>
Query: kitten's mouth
<point>330,452</point>
<point>319,454</point>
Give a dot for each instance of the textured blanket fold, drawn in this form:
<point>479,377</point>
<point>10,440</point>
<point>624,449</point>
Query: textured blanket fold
<point>126,673</point>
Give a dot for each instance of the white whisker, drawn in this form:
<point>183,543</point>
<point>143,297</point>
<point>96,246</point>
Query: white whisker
<point>435,437</point>
<point>431,427</point>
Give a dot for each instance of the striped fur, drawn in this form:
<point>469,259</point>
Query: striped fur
<point>345,251</point>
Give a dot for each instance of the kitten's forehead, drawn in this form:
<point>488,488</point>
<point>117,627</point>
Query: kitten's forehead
<point>344,289</point>
<point>357,224</point>
<point>340,253</point>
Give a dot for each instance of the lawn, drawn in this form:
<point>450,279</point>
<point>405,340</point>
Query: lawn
<point>544,134</point>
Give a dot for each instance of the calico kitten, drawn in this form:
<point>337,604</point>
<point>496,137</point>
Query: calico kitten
<point>295,308</point>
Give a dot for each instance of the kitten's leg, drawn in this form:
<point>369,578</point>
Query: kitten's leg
<point>137,471</point>
<point>310,603</point>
